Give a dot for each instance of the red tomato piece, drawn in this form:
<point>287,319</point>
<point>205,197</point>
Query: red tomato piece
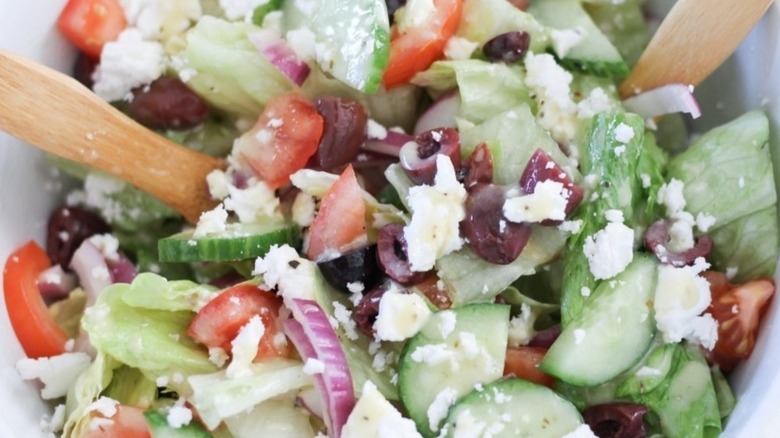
<point>340,224</point>
<point>415,49</point>
<point>35,328</point>
<point>219,321</point>
<point>738,310</point>
<point>89,24</point>
<point>523,363</point>
<point>284,137</point>
<point>128,422</point>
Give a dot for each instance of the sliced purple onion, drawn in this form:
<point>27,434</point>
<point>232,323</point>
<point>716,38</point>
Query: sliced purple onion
<point>389,145</point>
<point>55,284</point>
<point>278,53</point>
<point>122,269</point>
<point>667,99</point>
<point>92,270</point>
<point>546,337</point>
<point>311,400</point>
<point>311,333</point>
<point>441,113</point>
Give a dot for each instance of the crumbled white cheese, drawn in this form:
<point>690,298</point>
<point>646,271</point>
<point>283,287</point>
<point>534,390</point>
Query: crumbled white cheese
<point>731,272</point>
<point>548,201</point>
<point>572,227</point>
<point>218,182</point>
<point>244,348</point>
<point>579,336</point>
<point>459,48</point>
<point>178,415</point>
<point>610,250</point>
<point>646,180</point>
<point>432,354</point>
<point>344,318</point>
<point>624,133</point>
<point>57,373</point>
<point>704,222</point>
<point>585,291</point>
<point>105,406</point>
<point>375,130</point>
<point>551,86</point>
<point>256,203</point>
<point>521,327</point>
<point>375,417</point>
<point>614,215</point>
<point>582,431</point>
<point>235,9</point>
<point>681,295</point>
<point>107,244</point>
<point>437,211</point>
<point>438,409</point>
<point>295,276</point>
<point>671,196</point>
<point>447,321</point>
<point>217,356</point>
<point>127,63</point>
<point>303,42</point>
<point>99,189</point>
<point>313,366</point>
<point>53,424</point>
<point>596,102</point>
<point>211,222</point>
<point>303,209</point>
<point>401,315</point>
<point>566,39</point>
<point>680,237</point>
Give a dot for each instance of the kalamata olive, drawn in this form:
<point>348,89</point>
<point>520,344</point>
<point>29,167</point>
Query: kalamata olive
<point>392,6</point>
<point>418,157</point>
<point>433,288</point>
<point>83,69</point>
<point>507,47</point>
<point>542,168</point>
<point>392,255</point>
<point>487,232</point>
<point>657,242</point>
<point>479,166</point>
<point>546,337</point>
<point>359,265</point>
<point>167,104</point>
<point>617,420</point>
<point>344,131</point>
<point>367,309</point>
<point>68,228</point>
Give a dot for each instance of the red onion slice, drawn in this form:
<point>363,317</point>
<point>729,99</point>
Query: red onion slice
<point>284,58</point>
<point>673,98</point>
<point>441,113</point>
<point>91,269</point>
<point>311,333</point>
<point>122,270</point>
<point>55,284</point>
<point>389,145</point>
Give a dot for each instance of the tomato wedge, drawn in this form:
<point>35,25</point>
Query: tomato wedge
<point>35,328</point>
<point>128,422</point>
<point>90,24</point>
<point>219,321</point>
<point>284,137</point>
<point>738,310</point>
<point>523,363</point>
<point>416,48</point>
<point>340,224</point>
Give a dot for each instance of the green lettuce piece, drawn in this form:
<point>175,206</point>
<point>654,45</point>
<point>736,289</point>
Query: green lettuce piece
<point>544,315</point>
<point>650,168</point>
<point>152,291</point>
<point>629,34</point>
<point>486,89</point>
<point>512,136</point>
<point>151,340</point>
<point>216,397</point>
<point>485,19</point>
<point>129,386</point>
<point>232,74</point>
<point>87,388</point>
<point>728,174</point>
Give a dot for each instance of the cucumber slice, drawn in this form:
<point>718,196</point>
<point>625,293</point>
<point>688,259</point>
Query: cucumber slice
<point>594,54</point>
<point>238,242</point>
<point>512,408</point>
<point>353,37</point>
<point>611,333</point>
<point>473,352</point>
<point>159,427</point>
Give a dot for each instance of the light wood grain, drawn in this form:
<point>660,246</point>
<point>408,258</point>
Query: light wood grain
<point>692,41</point>
<point>56,113</point>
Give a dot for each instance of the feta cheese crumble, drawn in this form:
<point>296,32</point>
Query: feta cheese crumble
<point>434,230</point>
<point>127,63</point>
<point>255,203</point>
<point>178,415</point>
<point>303,209</point>
<point>624,133</point>
<point>211,222</point>
<point>375,417</point>
<point>610,250</point>
<point>244,348</point>
<point>57,373</point>
<point>521,327</point>
<point>551,86</point>
<point>313,366</point>
<point>438,409</point>
<point>283,268</point>
<point>566,39</point>
<point>548,201</point>
<point>401,315</point>
<point>459,48</point>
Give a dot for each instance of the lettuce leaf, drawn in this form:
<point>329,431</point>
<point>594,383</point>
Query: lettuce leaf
<point>728,174</point>
<point>88,387</point>
<point>152,291</point>
<point>485,19</point>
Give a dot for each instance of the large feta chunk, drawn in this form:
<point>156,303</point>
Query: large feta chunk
<point>548,201</point>
<point>255,203</point>
<point>437,210</point>
<point>283,268</point>
<point>244,347</point>
<point>127,63</point>
<point>375,417</point>
<point>57,373</point>
<point>211,222</point>
<point>401,315</point>
<point>610,250</point>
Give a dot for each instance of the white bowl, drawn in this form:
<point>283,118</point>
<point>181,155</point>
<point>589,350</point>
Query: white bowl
<point>29,190</point>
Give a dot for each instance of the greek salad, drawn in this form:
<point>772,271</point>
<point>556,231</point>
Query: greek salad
<point>436,218</point>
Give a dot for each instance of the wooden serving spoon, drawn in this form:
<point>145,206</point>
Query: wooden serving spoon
<point>692,41</point>
<point>54,112</point>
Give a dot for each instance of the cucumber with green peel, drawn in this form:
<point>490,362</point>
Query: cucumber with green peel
<point>159,427</point>
<point>611,333</point>
<point>352,37</point>
<point>434,368</point>
<point>512,408</point>
<point>594,53</point>
<point>237,242</point>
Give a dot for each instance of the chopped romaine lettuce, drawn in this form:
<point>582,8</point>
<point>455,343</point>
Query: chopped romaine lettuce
<point>151,291</point>
<point>629,33</point>
<point>485,19</point>
<point>88,387</point>
<point>130,387</point>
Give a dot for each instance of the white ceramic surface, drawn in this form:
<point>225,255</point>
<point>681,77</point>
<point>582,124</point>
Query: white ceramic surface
<point>28,190</point>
